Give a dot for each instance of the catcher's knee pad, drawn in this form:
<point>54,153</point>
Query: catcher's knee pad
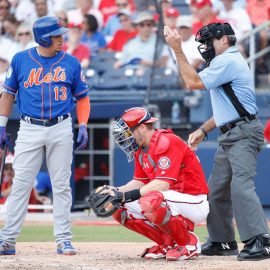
<point>155,208</point>
<point>120,215</point>
<point>157,211</point>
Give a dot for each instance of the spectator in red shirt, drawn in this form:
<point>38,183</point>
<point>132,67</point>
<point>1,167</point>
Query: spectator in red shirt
<point>123,35</point>
<point>202,10</point>
<point>74,46</point>
<point>107,8</point>
<point>111,7</point>
<point>267,131</point>
<point>113,24</point>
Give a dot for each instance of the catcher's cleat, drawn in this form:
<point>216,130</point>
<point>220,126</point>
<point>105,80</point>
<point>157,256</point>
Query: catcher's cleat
<point>66,248</point>
<point>255,249</point>
<point>7,248</point>
<point>156,252</point>
<point>180,253</point>
<point>220,248</point>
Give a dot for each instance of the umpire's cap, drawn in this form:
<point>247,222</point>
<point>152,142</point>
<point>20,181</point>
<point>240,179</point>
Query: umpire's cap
<point>214,30</point>
<point>135,116</point>
<point>46,27</point>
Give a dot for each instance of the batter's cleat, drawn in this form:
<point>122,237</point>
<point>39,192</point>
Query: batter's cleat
<point>156,252</point>
<point>255,249</point>
<point>7,248</point>
<point>180,253</point>
<point>66,248</point>
<point>220,248</point>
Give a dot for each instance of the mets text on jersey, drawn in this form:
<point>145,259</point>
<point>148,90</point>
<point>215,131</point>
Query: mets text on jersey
<point>36,76</point>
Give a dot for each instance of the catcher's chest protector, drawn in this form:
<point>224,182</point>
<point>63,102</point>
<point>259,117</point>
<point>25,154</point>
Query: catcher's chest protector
<point>148,160</point>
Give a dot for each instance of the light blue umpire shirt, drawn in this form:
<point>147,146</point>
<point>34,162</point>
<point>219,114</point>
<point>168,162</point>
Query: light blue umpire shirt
<point>230,66</point>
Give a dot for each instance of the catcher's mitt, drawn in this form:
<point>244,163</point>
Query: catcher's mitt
<point>104,205</point>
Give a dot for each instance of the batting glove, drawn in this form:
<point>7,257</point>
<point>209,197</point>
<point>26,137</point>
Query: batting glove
<point>82,137</point>
<point>4,139</point>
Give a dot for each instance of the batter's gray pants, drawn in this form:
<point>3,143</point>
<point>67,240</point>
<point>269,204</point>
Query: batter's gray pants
<point>231,185</point>
<point>29,151</point>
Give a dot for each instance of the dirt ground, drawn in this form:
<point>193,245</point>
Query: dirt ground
<point>112,256</point>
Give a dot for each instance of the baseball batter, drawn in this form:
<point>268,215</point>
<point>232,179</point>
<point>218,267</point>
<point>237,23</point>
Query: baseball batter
<point>44,80</point>
<point>168,193</point>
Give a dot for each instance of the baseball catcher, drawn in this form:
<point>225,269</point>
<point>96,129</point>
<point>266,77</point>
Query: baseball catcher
<point>168,193</point>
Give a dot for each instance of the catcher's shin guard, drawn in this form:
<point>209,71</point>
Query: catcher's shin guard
<point>140,226</point>
<point>157,211</point>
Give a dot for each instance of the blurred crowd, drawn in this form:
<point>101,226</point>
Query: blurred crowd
<point>128,28</point>
<point>41,192</point>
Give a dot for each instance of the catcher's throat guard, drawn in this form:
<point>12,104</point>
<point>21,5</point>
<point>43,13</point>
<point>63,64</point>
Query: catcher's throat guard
<point>124,139</point>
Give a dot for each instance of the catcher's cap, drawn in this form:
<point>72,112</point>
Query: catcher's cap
<point>46,27</point>
<point>135,116</point>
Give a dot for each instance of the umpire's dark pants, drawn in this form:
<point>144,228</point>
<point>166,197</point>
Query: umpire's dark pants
<point>231,184</point>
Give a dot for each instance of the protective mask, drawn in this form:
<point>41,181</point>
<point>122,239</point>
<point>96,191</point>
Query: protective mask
<point>124,138</point>
<point>207,52</point>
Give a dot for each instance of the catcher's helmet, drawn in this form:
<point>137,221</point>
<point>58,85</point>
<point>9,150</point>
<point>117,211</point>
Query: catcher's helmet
<point>46,27</point>
<point>122,128</point>
<point>136,116</point>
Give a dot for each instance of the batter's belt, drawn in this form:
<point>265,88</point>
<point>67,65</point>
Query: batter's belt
<point>44,122</point>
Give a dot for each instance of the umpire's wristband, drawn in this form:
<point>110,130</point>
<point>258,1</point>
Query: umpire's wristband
<point>132,195</point>
<point>205,138</point>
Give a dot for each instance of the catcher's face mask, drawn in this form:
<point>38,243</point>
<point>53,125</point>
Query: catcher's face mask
<point>124,138</point>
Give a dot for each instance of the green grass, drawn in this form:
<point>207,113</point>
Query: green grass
<point>44,233</point>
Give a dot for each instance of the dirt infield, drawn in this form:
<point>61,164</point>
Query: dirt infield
<point>112,256</point>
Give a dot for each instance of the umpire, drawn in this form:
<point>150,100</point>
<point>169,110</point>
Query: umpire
<point>232,192</point>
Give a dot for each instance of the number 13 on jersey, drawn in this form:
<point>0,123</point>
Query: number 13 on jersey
<point>60,93</point>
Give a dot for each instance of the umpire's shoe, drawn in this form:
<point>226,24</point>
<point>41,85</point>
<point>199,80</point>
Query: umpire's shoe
<point>219,248</point>
<point>7,248</point>
<point>66,248</point>
<point>256,249</point>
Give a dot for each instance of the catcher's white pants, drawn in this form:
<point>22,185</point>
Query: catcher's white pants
<point>192,207</point>
<point>31,143</point>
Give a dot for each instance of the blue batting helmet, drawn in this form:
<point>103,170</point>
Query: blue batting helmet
<point>46,27</point>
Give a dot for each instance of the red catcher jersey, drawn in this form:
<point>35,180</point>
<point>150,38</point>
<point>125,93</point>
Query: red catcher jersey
<point>170,159</point>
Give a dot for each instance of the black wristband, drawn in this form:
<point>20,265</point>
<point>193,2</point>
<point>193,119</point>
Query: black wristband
<point>132,195</point>
<point>205,133</point>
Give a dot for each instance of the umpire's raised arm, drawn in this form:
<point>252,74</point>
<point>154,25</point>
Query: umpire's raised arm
<point>186,71</point>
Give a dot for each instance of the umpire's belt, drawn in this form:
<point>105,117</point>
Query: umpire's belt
<point>236,122</point>
<point>45,123</point>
